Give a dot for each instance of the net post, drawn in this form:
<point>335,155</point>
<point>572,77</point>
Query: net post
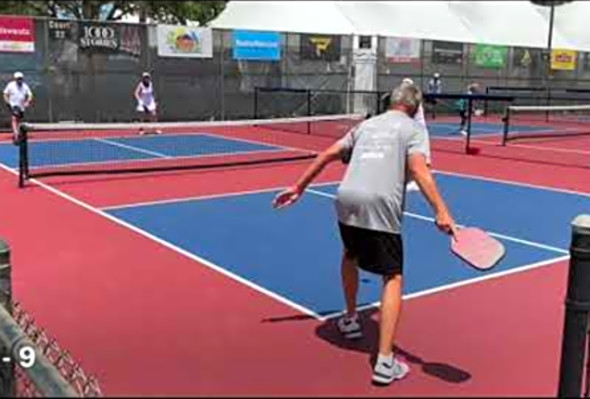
<point>506,121</point>
<point>308,110</point>
<point>577,308</point>
<point>7,371</point>
<point>548,104</point>
<point>23,158</point>
<point>485,103</point>
<point>469,114</point>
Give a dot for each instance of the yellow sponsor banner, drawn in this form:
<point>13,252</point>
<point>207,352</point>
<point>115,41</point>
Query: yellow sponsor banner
<point>564,60</point>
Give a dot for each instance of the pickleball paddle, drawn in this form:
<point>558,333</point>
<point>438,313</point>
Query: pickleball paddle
<point>477,248</point>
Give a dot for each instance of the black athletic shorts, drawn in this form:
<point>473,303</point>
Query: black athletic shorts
<point>17,111</point>
<point>377,252</point>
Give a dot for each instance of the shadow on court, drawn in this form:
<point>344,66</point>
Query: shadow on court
<point>328,332</point>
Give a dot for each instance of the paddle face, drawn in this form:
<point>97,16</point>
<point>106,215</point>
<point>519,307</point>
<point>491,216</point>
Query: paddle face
<point>477,248</point>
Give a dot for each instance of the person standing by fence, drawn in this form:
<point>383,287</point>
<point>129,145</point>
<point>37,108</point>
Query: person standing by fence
<point>18,97</point>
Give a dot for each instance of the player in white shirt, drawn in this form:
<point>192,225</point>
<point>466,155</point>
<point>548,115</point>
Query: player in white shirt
<point>421,121</point>
<point>146,101</point>
<point>18,97</point>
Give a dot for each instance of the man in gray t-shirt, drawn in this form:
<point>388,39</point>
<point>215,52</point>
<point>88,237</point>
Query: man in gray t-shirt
<point>381,153</point>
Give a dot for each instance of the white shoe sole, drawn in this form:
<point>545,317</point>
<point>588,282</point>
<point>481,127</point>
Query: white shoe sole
<point>386,381</point>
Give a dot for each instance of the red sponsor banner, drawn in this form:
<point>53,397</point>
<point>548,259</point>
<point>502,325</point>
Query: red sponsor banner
<point>17,35</point>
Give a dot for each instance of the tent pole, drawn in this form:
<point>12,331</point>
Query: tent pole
<point>549,48</point>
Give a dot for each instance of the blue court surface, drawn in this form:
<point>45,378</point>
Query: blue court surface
<point>134,148</point>
<point>295,252</point>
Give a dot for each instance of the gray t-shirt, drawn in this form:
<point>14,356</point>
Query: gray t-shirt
<point>372,193</point>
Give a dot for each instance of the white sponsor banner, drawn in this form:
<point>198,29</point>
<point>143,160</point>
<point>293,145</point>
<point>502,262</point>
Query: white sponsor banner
<point>17,47</point>
<point>402,50</point>
<point>185,41</point>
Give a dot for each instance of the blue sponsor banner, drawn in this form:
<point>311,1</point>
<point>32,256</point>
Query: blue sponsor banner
<point>250,45</point>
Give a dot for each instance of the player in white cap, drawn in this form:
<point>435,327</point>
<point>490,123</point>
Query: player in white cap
<point>146,101</point>
<point>18,97</point>
<point>421,121</point>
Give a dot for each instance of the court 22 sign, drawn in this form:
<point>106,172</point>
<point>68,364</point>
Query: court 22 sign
<point>99,37</point>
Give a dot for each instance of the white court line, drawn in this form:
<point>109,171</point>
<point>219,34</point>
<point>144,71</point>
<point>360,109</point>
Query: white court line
<point>247,141</point>
<point>498,235</point>
<point>175,248</point>
<point>205,197</point>
<point>254,286</point>
<point>512,183</point>
<point>442,172</point>
<point>534,147</point>
<point>131,148</point>
<point>451,286</point>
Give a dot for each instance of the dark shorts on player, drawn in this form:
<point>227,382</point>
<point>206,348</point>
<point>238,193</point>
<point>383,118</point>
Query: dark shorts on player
<point>17,112</point>
<point>377,252</point>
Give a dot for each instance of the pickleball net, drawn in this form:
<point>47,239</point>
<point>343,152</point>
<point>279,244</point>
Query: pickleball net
<point>79,148</point>
<point>532,122</point>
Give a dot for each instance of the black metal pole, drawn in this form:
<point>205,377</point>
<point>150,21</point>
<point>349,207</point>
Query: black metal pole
<point>7,372</point>
<point>256,102</point>
<point>469,114</point>
<point>506,125</point>
<point>577,307</point>
<point>549,47</point>
<point>309,112</point>
<point>485,103</point>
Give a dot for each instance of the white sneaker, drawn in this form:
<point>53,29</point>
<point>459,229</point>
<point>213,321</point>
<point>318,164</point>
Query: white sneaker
<point>350,327</point>
<point>412,186</point>
<point>389,369</point>
<point>463,132</point>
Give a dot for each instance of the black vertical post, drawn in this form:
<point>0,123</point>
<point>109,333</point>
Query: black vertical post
<point>469,112</point>
<point>23,161</point>
<point>577,307</point>
<point>7,373</point>
<point>548,58</point>
<point>309,110</point>
<point>506,126</point>
<point>485,103</point>
<point>256,102</point>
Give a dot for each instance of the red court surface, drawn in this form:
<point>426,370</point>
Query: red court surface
<point>147,320</point>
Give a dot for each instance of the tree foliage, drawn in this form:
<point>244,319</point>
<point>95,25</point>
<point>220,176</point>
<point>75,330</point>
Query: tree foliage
<point>176,12</point>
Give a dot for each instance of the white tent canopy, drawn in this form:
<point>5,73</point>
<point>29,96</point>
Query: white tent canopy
<point>512,23</point>
<point>572,20</point>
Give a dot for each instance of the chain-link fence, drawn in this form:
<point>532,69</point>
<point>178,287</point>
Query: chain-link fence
<point>72,82</point>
